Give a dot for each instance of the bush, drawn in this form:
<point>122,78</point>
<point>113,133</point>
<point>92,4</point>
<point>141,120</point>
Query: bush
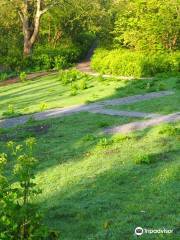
<point>104,142</point>
<point>73,90</point>
<point>169,130</point>
<point>82,84</point>
<point>143,159</point>
<point>60,63</point>
<point>59,58</point>
<point>3,76</point>
<point>20,218</point>
<point>43,58</point>
<point>68,77</point>
<point>133,63</point>
<point>10,112</point>
<point>23,76</point>
<point>73,75</point>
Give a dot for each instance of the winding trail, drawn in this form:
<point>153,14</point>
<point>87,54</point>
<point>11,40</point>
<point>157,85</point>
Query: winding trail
<point>134,126</point>
<point>83,66</point>
<point>100,108</point>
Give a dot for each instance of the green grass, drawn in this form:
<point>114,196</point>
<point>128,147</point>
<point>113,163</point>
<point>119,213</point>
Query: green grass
<point>97,186</point>
<point>162,105</point>
<point>28,97</point>
<point>92,186</point>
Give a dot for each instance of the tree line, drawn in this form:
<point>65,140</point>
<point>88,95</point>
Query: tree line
<point>133,24</point>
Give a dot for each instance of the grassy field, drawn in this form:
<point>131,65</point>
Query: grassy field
<point>98,187</point>
<point>163,105</point>
<point>31,96</point>
<point>95,186</point>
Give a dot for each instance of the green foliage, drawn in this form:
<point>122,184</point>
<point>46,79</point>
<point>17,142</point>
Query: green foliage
<point>132,63</point>
<point>60,63</point>
<point>148,25</point>
<point>20,218</point>
<point>23,76</point>
<point>88,138</point>
<point>43,106</point>
<point>3,76</point>
<point>142,158</point>
<point>178,84</point>
<point>103,124</point>
<point>73,75</point>
<point>100,78</point>
<point>121,138</point>
<point>104,142</point>
<point>169,130</point>
<point>74,89</point>
<point>82,84</point>
<point>10,112</point>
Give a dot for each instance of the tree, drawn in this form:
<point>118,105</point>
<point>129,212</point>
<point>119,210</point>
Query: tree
<point>149,25</point>
<point>30,13</point>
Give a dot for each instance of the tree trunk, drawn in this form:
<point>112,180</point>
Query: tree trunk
<point>31,23</point>
<point>27,44</point>
<point>27,48</point>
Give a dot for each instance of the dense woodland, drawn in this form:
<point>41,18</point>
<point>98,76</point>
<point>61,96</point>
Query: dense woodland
<point>38,35</point>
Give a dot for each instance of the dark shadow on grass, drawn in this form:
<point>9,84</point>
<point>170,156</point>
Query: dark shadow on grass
<point>113,203</point>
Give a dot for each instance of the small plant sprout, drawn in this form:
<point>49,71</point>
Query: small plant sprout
<point>23,76</point>
<point>43,106</point>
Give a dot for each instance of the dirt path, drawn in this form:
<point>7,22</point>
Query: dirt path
<point>98,107</point>
<point>134,126</point>
<point>30,76</point>
<point>84,66</point>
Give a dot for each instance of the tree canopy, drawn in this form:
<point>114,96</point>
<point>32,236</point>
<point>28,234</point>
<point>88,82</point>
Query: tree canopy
<point>136,24</point>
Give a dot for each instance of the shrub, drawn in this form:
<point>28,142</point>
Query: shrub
<point>59,58</point>
<point>20,218</point>
<point>23,76</point>
<point>73,90</point>
<point>122,137</point>
<point>161,86</point>
<point>104,142</point>
<point>88,138</point>
<point>141,158</point>
<point>71,76</point>
<point>169,130</point>
<point>100,78</point>
<point>60,63</point>
<point>103,124</point>
<point>3,76</point>
<point>134,63</point>
<point>82,85</point>
<point>10,112</point>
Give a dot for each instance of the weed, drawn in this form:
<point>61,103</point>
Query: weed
<point>82,84</point>
<point>3,76</point>
<point>100,78</point>
<point>104,142</point>
<point>121,138</point>
<point>43,106</point>
<point>23,76</point>
<point>74,89</point>
<point>142,158</point>
<point>88,138</point>
<point>161,86</point>
<point>103,124</point>
<point>10,111</point>
<point>169,130</point>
